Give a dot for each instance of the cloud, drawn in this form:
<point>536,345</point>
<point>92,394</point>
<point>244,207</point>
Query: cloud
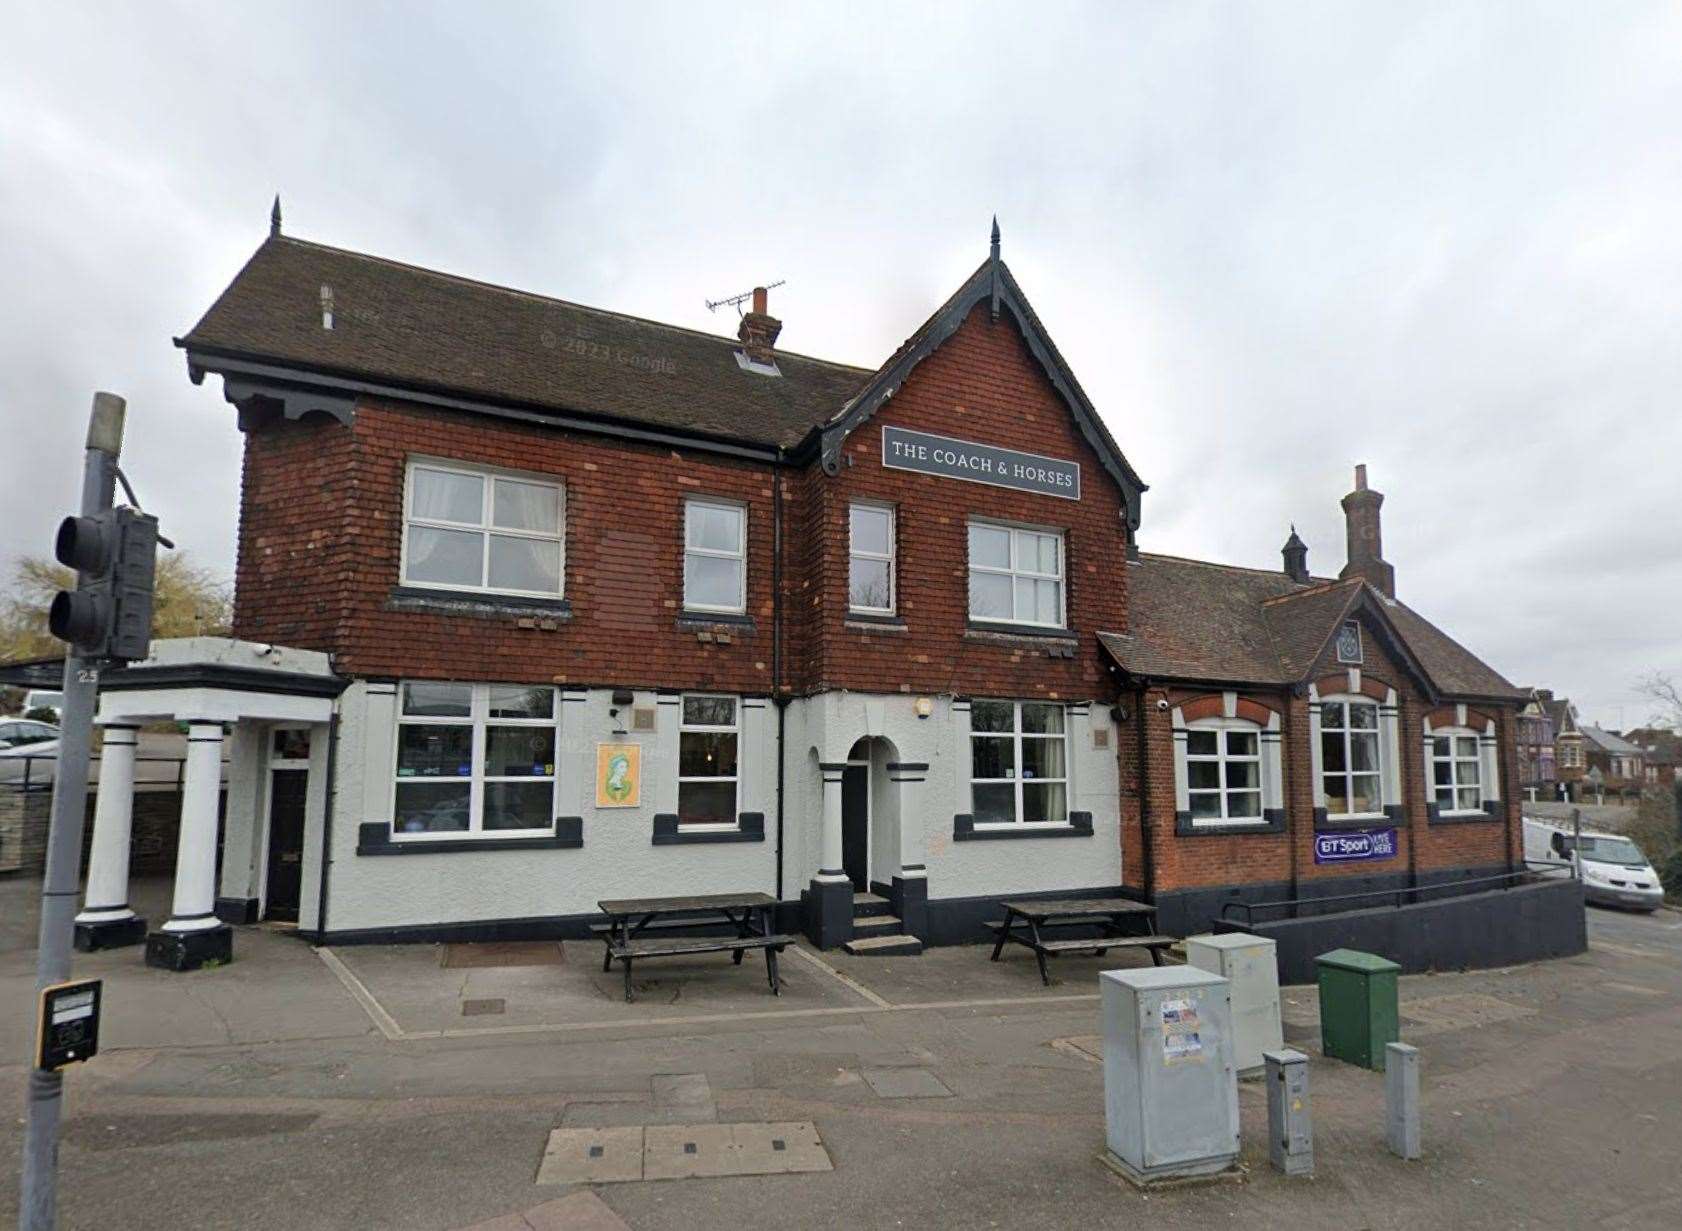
<point>1273,241</point>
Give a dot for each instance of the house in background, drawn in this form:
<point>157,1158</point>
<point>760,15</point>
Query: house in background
<point>1661,750</point>
<point>1571,764</point>
<point>1614,764</point>
<point>1538,775</point>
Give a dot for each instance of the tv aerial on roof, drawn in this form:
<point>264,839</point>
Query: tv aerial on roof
<point>736,301</point>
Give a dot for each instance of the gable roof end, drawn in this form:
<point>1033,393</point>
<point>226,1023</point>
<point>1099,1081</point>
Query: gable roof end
<point>992,281</point>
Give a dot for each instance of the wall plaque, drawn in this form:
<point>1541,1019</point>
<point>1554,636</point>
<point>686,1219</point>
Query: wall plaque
<point>966,459</point>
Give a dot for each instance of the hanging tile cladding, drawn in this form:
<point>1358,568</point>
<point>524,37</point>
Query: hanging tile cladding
<point>982,385</point>
<point>1249,859</point>
<point>292,578</point>
<point>624,567</point>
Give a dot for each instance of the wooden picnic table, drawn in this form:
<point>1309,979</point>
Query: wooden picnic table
<point>748,913</point>
<point>1122,922</point>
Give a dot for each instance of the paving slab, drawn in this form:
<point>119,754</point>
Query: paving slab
<point>592,1156</point>
<point>906,1083</point>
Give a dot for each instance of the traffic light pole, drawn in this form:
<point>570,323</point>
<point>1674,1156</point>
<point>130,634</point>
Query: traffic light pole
<point>38,1207</point>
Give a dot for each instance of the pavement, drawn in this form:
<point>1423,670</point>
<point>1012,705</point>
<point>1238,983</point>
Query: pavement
<point>419,1087</point>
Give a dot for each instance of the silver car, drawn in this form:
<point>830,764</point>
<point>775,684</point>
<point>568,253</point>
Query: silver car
<point>28,751</point>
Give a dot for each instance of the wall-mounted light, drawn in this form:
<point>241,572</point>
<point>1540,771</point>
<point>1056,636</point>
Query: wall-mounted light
<point>923,707</point>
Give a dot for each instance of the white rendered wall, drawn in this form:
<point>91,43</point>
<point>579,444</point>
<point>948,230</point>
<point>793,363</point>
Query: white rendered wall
<point>618,858</point>
<point>825,727</point>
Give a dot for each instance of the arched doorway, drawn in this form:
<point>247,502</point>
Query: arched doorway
<point>869,815</point>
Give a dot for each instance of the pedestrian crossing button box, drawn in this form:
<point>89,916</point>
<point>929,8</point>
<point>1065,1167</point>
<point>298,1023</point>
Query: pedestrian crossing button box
<point>69,1030</point>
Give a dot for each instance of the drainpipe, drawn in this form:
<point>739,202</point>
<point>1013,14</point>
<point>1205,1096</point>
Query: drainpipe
<point>327,826</point>
<point>1143,775</point>
<point>778,698</point>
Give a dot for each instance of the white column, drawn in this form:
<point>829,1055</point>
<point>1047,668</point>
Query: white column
<point>107,891</point>
<point>195,858</point>
<point>829,863</point>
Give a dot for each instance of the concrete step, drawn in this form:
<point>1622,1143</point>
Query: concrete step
<point>866,905</point>
<point>884,946</point>
<point>877,925</point>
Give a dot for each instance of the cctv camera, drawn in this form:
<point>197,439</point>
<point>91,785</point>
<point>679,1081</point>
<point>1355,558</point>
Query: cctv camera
<point>1162,704</point>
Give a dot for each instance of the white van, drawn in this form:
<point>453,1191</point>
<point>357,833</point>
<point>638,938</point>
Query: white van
<point>1615,872</point>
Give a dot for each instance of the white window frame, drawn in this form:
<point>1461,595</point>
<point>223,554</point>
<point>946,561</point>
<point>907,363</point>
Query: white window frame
<point>739,554</point>
<point>1454,761</point>
<point>485,527</point>
<point>889,557</point>
<point>1014,571</point>
<point>478,717</point>
<point>734,728</point>
<point>1348,773</point>
<point>1220,726</point>
<point>1016,736</point>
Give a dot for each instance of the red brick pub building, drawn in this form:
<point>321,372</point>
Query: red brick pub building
<point>616,608</point>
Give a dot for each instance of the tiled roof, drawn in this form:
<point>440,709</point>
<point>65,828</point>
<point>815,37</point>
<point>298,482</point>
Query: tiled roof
<point>1197,621</point>
<point>412,327</point>
<point>1607,741</point>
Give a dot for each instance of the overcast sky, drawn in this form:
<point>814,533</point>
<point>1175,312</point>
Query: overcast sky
<point>1274,240</point>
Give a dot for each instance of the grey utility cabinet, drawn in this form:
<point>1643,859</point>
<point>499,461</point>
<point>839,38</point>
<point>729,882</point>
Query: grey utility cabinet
<point>1170,1090</point>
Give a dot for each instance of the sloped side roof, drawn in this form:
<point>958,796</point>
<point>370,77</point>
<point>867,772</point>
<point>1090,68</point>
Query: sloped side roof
<point>406,326</point>
<point>1197,621</point>
<point>1607,741</point>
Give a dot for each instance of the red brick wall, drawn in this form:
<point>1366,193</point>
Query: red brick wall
<point>1236,859</point>
<point>983,384</point>
<point>289,583</point>
<point>321,525</point>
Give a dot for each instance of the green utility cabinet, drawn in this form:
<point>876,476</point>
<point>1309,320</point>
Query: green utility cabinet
<point>1357,1006</point>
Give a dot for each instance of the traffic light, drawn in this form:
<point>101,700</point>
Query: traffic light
<point>109,614</point>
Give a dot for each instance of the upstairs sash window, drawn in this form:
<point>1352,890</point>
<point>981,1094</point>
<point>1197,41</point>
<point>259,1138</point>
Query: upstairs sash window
<point>481,531</point>
<point>714,556</point>
<point>1015,575</point>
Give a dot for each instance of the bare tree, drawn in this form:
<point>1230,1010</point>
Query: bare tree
<point>1665,694</point>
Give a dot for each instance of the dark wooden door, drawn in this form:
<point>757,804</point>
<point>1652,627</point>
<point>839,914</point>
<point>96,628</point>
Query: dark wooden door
<point>287,791</point>
<point>855,825</point>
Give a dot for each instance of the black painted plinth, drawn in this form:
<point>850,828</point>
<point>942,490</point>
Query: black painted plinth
<point>110,934</point>
<point>190,950</point>
<point>829,913</point>
<point>910,897</point>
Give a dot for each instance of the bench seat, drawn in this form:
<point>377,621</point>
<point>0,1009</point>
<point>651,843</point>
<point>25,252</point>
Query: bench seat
<point>1100,943</point>
<point>628,951</point>
<point>673,946</point>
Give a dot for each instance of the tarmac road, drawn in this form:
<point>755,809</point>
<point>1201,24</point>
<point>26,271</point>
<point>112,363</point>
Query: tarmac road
<point>1551,1100</point>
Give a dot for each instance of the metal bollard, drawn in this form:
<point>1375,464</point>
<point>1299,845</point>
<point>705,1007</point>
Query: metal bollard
<point>1401,1099</point>
<point>1290,1129</point>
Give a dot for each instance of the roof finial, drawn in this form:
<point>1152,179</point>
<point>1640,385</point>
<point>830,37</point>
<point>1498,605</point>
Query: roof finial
<point>274,216</point>
<point>995,237</point>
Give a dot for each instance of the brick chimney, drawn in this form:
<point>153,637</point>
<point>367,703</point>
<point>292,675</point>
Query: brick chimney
<point>759,329</point>
<point>1295,552</point>
<point>1366,546</point>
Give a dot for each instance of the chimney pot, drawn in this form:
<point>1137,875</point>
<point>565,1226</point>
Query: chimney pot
<point>1361,477</point>
<point>759,329</point>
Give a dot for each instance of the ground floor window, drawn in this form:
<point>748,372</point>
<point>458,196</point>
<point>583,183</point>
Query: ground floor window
<point>1223,773</point>
<point>1456,772</point>
<point>707,761</point>
<point>474,759</point>
<point>1350,757</point>
<point>1019,762</point>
